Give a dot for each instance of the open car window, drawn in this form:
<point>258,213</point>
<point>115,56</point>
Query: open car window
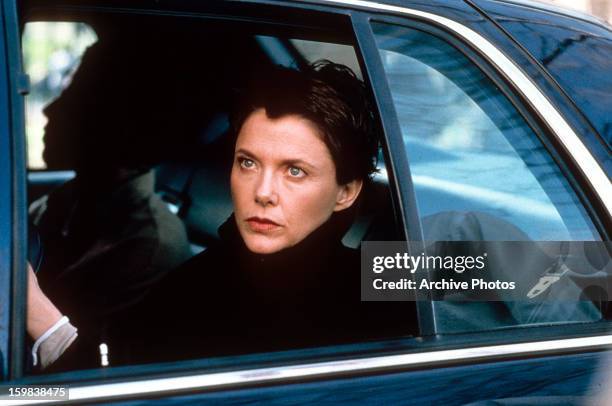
<point>168,97</point>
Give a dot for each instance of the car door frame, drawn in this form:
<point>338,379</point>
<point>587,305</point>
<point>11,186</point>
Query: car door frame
<point>583,172</point>
<point>19,299</point>
<point>383,358</point>
<point>14,170</point>
<point>5,204</point>
<point>566,148</point>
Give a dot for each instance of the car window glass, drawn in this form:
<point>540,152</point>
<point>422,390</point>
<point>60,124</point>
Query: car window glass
<point>567,47</point>
<point>51,53</point>
<point>481,174</point>
<point>469,148</point>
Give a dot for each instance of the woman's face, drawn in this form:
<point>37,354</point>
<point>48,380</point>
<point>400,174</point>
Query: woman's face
<point>283,182</point>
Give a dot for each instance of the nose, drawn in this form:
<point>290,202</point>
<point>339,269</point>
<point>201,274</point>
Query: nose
<point>266,193</point>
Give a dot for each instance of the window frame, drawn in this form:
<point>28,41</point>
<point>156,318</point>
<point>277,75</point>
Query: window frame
<point>5,208</point>
<point>579,183</point>
<point>18,86</point>
<point>73,14</point>
<point>532,116</point>
<point>403,194</point>
<point>502,88</point>
<point>598,208</point>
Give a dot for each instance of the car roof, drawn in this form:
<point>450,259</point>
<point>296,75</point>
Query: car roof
<point>553,9</point>
<point>557,9</point>
<point>550,8</point>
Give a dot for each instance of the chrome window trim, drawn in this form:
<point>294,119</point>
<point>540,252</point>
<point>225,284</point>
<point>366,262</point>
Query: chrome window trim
<point>176,386</point>
<point>591,170</point>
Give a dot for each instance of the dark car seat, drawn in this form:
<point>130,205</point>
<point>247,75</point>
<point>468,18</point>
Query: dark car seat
<point>197,188</point>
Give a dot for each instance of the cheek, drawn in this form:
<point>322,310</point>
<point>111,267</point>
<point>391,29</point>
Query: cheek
<point>311,206</point>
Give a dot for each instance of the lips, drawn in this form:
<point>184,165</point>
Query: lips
<point>262,225</point>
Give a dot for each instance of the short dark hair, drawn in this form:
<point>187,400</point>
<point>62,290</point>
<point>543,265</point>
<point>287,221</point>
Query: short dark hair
<point>328,94</point>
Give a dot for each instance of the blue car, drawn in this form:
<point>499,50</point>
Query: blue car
<point>493,108</point>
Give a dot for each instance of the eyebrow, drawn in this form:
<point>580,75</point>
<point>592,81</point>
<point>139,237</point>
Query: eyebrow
<point>284,162</point>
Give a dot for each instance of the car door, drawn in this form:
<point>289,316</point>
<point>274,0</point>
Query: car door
<point>555,362</point>
<point>13,85</point>
<point>439,178</point>
<point>5,209</point>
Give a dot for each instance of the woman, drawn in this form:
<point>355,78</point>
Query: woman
<point>280,277</point>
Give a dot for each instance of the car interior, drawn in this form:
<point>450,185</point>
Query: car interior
<point>192,173</point>
<point>192,163</point>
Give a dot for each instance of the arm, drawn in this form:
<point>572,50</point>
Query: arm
<point>51,332</point>
<point>41,313</point>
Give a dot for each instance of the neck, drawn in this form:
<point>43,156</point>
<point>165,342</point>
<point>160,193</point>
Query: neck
<point>298,266</point>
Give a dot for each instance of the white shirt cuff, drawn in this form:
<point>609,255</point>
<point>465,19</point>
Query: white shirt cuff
<point>46,335</point>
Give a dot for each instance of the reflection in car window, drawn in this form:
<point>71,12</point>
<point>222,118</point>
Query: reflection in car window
<point>51,52</point>
<point>469,149</point>
<point>567,47</point>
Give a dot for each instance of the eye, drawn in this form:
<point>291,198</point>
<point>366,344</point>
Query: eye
<point>296,172</point>
<point>246,163</point>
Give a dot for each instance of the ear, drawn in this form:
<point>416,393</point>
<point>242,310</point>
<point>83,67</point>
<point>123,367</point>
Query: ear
<point>347,194</point>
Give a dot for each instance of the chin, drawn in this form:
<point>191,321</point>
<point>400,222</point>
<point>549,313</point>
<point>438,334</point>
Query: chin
<point>263,245</point>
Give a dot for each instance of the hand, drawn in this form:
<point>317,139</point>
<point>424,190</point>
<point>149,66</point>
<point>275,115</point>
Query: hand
<point>41,312</point>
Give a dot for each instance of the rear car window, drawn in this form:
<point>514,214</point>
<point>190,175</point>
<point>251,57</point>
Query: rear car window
<point>51,53</point>
<point>567,47</point>
<point>469,148</point>
<point>480,174</point>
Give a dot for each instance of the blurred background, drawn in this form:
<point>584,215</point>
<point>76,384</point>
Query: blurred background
<point>51,53</point>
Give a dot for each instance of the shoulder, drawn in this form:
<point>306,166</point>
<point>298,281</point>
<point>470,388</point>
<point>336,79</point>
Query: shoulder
<point>214,255</point>
<point>158,233</point>
<point>346,254</point>
<point>344,266</point>
<point>165,219</point>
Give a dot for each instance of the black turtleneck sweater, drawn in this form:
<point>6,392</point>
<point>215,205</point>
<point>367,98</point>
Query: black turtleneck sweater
<point>229,300</point>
